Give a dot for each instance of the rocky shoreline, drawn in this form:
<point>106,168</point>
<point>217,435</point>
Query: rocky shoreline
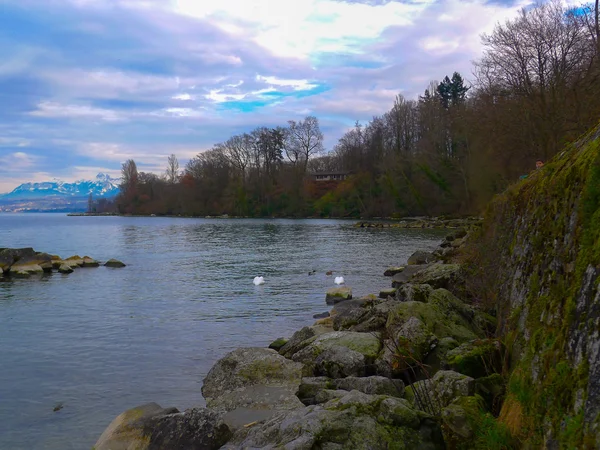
<point>424,222</point>
<point>410,368</point>
<point>26,262</point>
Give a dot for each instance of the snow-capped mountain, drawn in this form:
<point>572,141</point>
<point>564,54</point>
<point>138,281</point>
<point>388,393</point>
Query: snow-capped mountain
<point>104,186</point>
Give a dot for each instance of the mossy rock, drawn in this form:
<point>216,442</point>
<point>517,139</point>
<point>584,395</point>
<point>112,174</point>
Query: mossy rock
<point>385,293</point>
<point>444,316</point>
<point>476,359</point>
<point>391,271</point>
<point>468,426</point>
<point>339,294</point>
<point>278,343</point>
<point>351,420</point>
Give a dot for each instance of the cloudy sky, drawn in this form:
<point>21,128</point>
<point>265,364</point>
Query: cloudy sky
<point>87,84</point>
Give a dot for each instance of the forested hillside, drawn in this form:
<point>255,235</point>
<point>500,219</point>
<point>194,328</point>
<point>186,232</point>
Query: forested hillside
<point>535,88</point>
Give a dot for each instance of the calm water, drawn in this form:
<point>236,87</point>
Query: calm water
<point>101,340</point>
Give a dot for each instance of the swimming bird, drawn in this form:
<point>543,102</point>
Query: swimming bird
<point>258,281</point>
<point>312,272</point>
<point>329,273</point>
<point>339,280</point>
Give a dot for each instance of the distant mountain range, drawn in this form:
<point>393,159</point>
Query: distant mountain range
<point>59,195</point>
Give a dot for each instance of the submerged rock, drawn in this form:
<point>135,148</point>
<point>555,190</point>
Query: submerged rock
<point>64,268</point>
<point>114,263</point>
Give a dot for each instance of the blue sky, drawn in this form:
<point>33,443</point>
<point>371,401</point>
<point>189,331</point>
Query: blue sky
<point>87,84</point>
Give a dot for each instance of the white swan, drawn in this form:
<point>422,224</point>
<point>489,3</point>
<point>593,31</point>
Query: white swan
<point>258,281</point>
<point>339,280</point>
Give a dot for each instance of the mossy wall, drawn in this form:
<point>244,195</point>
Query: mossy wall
<point>541,243</point>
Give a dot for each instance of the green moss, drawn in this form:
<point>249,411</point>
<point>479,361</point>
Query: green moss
<point>543,234</point>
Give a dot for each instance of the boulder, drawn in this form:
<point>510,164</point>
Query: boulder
<point>114,263</point>
<point>439,275</point>
<point>311,387</point>
<point>64,268</point>
<point>476,359</point>
<point>252,384</point>
<point>367,344</point>
<point>339,294</point>
<point>374,385</point>
<point>300,339</point>
<point>323,315</point>
<point>385,293</point>
<point>278,343</point>
<point>420,257</point>
<point>408,345</point>
<point>43,260</point>
<point>365,315</point>
<point>248,367</point>
<point>24,271</point>
<point>74,260</point>
<point>339,362</point>
<point>458,416</point>
<point>89,262</point>
<point>391,271</point>
<point>15,254</point>
<point>414,292</point>
<point>407,274</point>
<point>150,427</point>
<point>433,394</point>
<point>351,420</point>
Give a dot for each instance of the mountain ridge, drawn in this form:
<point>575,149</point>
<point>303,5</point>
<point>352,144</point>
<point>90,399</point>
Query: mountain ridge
<point>58,195</point>
<point>104,186</point>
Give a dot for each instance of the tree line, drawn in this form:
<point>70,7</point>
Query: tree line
<point>536,87</point>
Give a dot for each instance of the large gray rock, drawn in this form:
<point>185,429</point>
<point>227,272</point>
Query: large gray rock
<point>42,260</point>
<point>248,367</point>
<point>438,392</point>
<point>421,257</point>
<point>411,292</point>
<point>301,339</point>
<point>367,344</point>
<point>150,427</point>
<point>311,388</point>
<point>411,343</point>
<point>252,384</point>
<point>350,421</point>
<point>446,276</point>
<point>340,362</point>
<point>338,294</point>
<point>407,274</point>
<point>365,315</point>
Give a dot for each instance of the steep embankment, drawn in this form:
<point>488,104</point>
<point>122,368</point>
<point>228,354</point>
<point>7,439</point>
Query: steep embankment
<point>539,259</point>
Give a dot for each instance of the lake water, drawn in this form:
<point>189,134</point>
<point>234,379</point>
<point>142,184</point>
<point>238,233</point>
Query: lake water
<point>100,341</point>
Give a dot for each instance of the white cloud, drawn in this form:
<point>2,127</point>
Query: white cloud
<point>183,97</point>
<point>292,28</point>
<point>57,110</point>
<point>298,85</point>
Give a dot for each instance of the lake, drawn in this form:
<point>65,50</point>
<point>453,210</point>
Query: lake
<point>100,341</point>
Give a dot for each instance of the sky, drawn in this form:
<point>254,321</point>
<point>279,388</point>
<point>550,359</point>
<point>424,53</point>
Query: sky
<point>88,84</point>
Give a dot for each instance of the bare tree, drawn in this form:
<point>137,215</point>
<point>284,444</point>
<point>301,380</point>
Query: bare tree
<point>238,150</point>
<point>172,173</point>
<point>303,140</point>
<point>129,176</point>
